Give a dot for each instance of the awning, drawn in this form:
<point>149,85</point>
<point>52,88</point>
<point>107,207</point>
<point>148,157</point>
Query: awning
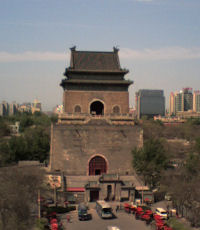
<point>76,189</point>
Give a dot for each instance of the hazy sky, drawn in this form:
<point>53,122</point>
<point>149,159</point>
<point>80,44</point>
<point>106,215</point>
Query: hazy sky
<point>159,43</point>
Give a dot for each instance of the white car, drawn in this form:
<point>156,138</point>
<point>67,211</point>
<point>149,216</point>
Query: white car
<point>168,197</point>
<point>112,228</point>
<point>162,212</point>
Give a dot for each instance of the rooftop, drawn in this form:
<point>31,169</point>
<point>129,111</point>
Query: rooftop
<point>95,61</point>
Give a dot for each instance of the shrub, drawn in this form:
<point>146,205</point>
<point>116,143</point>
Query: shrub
<point>59,209</point>
<point>42,223</point>
<point>177,225</point>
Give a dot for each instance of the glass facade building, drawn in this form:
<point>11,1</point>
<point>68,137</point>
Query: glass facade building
<point>150,103</point>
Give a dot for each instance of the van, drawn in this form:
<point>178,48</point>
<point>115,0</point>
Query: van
<point>162,213</point>
<point>103,209</point>
<point>83,212</point>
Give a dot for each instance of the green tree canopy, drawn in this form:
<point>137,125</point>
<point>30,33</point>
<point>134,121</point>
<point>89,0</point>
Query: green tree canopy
<point>4,129</point>
<point>33,145</point>
<point>150,160</point>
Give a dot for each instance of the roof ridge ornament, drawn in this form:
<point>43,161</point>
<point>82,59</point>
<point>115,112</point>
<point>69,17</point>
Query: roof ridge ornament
<point>115,49</point>
<point>73,48</point>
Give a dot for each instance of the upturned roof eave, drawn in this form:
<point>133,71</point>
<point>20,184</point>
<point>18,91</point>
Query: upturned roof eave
<point>104,82</point>
<point>122,71</point>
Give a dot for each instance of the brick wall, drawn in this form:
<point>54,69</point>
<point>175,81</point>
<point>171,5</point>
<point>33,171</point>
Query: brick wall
<point>85,98</point>
<point>72,146</point>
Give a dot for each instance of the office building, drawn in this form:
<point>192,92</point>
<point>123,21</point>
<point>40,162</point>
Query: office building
<point>181,101</point>
<point>150,103</point>
<point>187,99</point>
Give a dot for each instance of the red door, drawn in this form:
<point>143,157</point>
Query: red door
<point>97,166</point>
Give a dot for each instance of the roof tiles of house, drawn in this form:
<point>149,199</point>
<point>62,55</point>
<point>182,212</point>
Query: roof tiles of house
<point>92,60</point>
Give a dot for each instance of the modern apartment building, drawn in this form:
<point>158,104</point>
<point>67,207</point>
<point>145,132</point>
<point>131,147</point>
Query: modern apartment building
<point>150,103</point>
<point>4,108</point>
<point>181,101</point>
<point>36,106</point>
<point>196,101</point>
<point>13,108</point>
<point>172,103</point>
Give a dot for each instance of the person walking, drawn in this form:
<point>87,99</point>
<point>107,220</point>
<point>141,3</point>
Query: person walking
<point>117,208</point>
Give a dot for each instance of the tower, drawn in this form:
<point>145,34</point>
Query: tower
<point>94,84</point>
<point>94,137</point>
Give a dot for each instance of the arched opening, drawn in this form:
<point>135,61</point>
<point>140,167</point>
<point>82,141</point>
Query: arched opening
<point>77,109</point>
<point>97,166</point>
<point>97,108</point>
<point>116,109</point>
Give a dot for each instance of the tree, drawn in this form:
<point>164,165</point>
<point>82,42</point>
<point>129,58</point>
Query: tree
<point>183,184</point>
<point>152,129</point>
<point>18,192</point>
<point>41,119</point>
<point>150,161</point>
<point>4,128</point>
<point>25,121</point>
<point>38,142</point>
<point>197,145</point>
<point>54,118</point>
<point>33,145</point>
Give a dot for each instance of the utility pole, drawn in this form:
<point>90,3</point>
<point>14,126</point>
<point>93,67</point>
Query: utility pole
<point>55,195</point>
<point>39,205</point>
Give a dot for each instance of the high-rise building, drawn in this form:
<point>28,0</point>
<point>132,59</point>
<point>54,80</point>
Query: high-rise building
<point>178,102</point>
<point>13,108</point>
<point>150,103</point>
<point>187,99</point>
<point>36,106</point>
<point>172,104</point>
<point>4,108</point>
<point>196,101</point>
<point>181,101</point>
<point>25,107</point>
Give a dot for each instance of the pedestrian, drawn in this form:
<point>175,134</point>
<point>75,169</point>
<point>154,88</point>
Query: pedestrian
<point>68,218</point>
<point>117,208</point>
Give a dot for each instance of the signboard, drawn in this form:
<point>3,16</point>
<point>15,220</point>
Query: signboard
<point>54,181</point>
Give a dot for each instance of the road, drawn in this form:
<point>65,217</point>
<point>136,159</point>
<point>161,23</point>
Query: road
<point>123,220</point>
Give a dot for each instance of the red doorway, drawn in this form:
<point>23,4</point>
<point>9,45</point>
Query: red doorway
<point>97,166</point>
<point>94,195</point>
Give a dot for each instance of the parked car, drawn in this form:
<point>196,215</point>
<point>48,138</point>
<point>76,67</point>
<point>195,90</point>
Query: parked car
<point>162,213</point>
<point>168,197</point>
<point>112,228</point>
<point>83,212</point>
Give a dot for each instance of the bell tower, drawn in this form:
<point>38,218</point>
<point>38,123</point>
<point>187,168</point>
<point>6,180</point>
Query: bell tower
<point>94,84</point>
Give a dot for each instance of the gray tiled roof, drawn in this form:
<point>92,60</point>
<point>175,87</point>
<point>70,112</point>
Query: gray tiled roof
<point>93,60</point>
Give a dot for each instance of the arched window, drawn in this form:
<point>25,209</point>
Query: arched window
<point>97,166</point>
<point>77,109</point>
<point>97,108</point>
<point>116,109</point>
